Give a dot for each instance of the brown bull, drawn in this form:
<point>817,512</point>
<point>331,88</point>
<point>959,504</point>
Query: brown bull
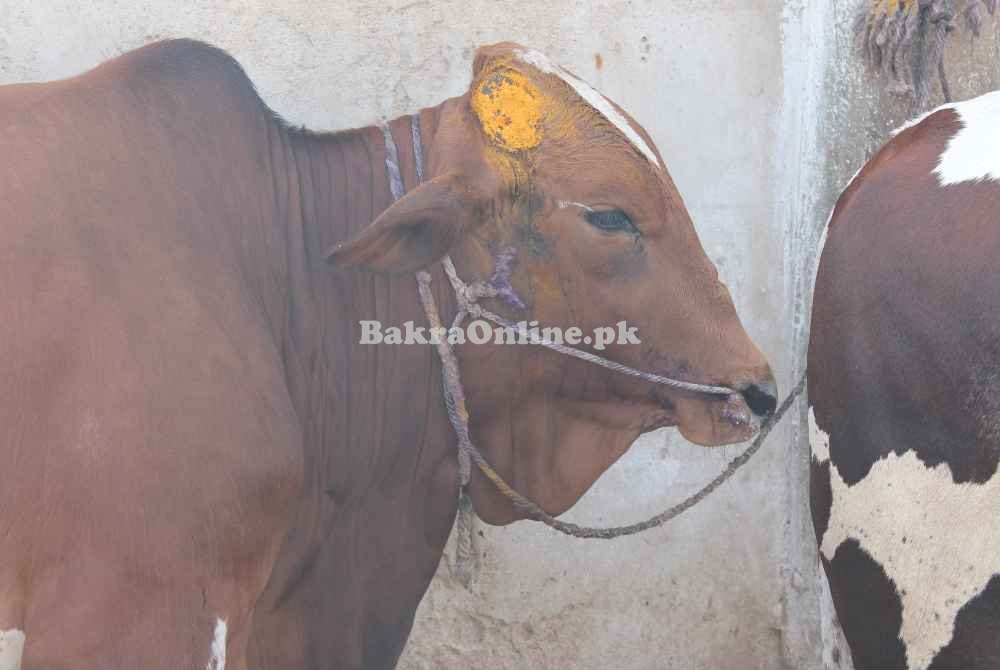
<point>202,464</point>
<point>904,369</point>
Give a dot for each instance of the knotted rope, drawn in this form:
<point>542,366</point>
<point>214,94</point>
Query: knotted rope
<point>498,286</point>
<point>906,40</point>
<point>468,453</point>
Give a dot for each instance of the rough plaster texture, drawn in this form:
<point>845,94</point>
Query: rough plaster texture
<point>762,114</point>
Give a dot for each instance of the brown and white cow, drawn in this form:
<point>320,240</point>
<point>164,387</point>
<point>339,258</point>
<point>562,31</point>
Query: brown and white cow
<point>904,392</point>
<point>201,462</point>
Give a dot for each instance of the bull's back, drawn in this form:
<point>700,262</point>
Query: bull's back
<point>904,368</point>
<point>150,449</point>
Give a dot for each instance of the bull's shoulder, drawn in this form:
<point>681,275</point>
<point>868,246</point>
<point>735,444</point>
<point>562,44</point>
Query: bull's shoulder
<point>176,62</point>
<point>180,78</point>
<point>179,62</point>
<point>903,167</point>
<point>957,144</point>
<point>928,195</point>
<point>187,71</point>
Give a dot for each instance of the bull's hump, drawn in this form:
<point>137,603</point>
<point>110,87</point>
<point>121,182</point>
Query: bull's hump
<point>592,97</point>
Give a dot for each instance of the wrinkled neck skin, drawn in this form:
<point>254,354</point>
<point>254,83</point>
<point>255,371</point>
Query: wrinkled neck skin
<point>377,407</point>
<point>380,456</point>
<point>381,481</point>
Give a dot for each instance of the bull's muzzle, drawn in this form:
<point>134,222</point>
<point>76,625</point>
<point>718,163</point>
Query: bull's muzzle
<point>761,398</point>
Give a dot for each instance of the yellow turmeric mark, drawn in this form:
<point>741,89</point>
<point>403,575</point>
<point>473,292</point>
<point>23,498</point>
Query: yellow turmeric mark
<point>510,109</point>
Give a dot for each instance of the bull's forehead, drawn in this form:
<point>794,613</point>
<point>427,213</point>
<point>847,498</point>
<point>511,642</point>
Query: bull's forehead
<point>592,97</point>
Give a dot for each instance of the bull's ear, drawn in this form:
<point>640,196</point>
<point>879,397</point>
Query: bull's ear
<point>417,230</point>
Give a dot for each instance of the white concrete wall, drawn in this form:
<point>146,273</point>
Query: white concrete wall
<point>761,116</point>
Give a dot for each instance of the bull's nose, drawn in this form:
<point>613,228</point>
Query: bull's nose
<point>761,398</point>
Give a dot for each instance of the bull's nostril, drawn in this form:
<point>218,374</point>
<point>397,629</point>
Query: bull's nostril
<point>761,399</point>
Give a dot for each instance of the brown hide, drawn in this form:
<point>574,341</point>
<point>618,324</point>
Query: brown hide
<point>903,360</point>
<point>552,425</point>
<point>197,432</point>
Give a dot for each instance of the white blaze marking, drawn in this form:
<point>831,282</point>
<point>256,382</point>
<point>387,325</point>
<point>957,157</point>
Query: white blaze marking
<point>973,154</point>
<point>594,98</point>
<point>217,661</point>
<point>11,648</point>
<point>564,204</point>
<point>938,541</point>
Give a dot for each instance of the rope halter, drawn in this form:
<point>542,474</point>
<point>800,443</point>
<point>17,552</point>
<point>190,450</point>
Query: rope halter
<point>467,297</point>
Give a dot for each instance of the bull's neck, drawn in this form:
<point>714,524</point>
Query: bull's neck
<point>372,414</point>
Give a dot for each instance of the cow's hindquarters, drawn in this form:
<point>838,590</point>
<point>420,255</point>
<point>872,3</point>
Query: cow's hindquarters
<point>903,371</point>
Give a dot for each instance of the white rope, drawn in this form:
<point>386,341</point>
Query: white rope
<point>498,286</point>
<point>468,297</point>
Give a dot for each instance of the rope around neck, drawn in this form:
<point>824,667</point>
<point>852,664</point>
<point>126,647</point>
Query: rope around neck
<point>498,286</point>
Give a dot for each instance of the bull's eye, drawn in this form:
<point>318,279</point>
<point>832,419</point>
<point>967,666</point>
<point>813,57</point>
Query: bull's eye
<point>611,221</point>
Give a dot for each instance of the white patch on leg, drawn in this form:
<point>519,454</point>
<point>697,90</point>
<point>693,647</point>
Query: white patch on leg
<point>594,98</point>
<point>11,649</point>
<point>973,154</point>
<point>217,661</point>
<point>819,440</point>
<point>938,541</point>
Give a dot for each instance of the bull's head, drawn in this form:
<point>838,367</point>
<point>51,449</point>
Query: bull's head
<point>533,158</point>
